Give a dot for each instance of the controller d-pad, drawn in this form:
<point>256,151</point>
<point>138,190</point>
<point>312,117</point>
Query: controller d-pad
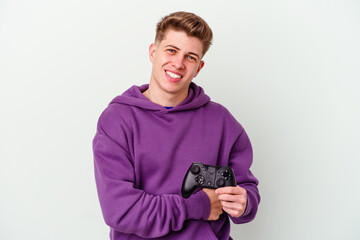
<point>200,179</point>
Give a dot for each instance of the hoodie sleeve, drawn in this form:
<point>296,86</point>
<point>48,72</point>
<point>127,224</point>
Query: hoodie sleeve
<point>128,209</point>
<point>241,157</point>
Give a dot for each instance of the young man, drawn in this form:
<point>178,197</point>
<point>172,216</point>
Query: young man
<point>148,137</point>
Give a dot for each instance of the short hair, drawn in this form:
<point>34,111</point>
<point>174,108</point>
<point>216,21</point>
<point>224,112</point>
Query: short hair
<point>190,23</point>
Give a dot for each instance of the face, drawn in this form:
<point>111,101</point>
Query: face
<point>176,61</point>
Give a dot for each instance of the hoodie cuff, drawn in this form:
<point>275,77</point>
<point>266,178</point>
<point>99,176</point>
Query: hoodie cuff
<point>197,206</point>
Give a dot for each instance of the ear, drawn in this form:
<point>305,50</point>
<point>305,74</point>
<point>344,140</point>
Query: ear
<point>152,50</point>
<point>201,65</point>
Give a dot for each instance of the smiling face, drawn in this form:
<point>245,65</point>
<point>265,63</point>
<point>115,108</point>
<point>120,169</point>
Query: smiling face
<point>176,61</point>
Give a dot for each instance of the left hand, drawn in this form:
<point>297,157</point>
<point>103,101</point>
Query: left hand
<point>233,200</point>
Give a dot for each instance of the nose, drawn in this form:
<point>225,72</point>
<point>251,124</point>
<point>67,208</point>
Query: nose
<point>178,61</point>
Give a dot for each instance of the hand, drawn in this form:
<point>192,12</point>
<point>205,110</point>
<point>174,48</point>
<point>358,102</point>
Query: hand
<point>233,200</point>
<point>216,207</point>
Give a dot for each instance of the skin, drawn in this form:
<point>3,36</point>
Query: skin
<point>177,53</point>
<point>182,54</point>
<point>233,200</point>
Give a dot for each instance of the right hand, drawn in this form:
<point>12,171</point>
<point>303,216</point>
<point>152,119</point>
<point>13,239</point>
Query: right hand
<point>216,207</point>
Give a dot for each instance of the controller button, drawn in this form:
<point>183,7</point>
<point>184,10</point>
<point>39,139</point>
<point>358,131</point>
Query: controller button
<point>226,173</point>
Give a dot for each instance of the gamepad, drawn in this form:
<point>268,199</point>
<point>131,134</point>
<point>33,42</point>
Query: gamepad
<point>206,176</point>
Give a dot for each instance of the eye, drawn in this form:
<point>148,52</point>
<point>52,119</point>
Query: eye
<point>191,58</point>
<point>171,50</point>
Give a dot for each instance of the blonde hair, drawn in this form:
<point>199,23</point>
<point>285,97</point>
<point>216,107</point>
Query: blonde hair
<point>190,23</point>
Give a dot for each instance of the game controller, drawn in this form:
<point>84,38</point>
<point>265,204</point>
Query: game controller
<point>206,176</point>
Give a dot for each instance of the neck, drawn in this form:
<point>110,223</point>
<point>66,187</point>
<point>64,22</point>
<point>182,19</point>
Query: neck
<point>164,99</point>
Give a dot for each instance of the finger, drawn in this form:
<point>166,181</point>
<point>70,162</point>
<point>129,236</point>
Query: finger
<point>232,206</point>
<point>233,198</point>
<point>228,197</point>
<point>230,190</point>
<point>234,213</point>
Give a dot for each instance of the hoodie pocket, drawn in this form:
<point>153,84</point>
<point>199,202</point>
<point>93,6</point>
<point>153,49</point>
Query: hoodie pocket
<point>199,230</point>
<point>205,225</point>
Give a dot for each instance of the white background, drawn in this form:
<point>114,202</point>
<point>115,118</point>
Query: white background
<point>287,70</point>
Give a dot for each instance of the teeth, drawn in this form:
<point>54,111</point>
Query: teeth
<point>173,75</point>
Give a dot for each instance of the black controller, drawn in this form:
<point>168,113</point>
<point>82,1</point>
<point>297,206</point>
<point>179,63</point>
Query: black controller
<point>206,176</point>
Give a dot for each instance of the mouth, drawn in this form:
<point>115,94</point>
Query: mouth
<point>173,77</point>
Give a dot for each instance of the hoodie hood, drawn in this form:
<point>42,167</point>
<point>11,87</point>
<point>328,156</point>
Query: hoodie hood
<point>133,97</point>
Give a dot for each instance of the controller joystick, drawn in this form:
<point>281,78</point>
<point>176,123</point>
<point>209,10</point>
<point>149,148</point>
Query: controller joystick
<point>220,182</point>
<point>206,176</point>
<point>195,169</point>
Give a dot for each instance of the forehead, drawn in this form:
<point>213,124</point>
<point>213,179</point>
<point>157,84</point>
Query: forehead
<point>182,41</point>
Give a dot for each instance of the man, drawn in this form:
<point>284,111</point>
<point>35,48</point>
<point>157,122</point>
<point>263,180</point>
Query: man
<point>148,137</point>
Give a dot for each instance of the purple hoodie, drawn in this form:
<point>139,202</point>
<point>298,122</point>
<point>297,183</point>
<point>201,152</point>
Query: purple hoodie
<point>142,152</point>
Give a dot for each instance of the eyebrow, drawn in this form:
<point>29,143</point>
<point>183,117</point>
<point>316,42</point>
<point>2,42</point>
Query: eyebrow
<point>192,53</point>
